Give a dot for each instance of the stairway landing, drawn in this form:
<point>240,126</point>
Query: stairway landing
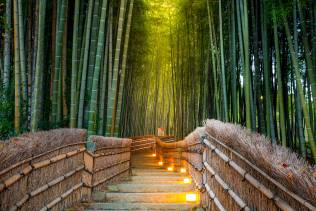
<point>150,187</point>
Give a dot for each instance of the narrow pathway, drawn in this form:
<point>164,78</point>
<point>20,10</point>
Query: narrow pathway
<point>150,187</point>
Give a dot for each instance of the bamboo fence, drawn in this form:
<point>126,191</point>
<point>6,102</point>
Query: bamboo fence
<point>61,177</point>
<point>228,179</point>
<point>140,143</point>
<point>233,168</point>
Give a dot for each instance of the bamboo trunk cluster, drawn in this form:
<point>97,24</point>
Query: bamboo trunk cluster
<point>67,76</point>
<point>247,62</point>
<point>70,63</point>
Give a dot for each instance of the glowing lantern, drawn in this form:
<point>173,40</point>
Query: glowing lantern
<point>191,197</point>
<point>186,180</point>
<point>154,154</point>
<point>183,170</point>
<point>160,163</point>
<point>170,169</point>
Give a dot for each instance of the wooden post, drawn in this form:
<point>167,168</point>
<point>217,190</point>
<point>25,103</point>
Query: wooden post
<point>90,145</point>
<point>87,176</point>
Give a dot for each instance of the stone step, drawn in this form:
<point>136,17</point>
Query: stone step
<point>170,197</point>
<point>156,179</point>
<point>143,162</point>
<point>155,172</point>
<point>149,188</point>
<point>142,206</point>
<point>151,163</point>
<point>148,166</point>
<point>144,157</point>
<point>148,163</point>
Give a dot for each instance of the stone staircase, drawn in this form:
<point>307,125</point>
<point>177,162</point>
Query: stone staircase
<point>150,187</point>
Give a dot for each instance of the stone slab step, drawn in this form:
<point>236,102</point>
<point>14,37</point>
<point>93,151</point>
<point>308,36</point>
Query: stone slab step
<point>170,197</point>
<point>142,206</point>
<point>149,188</point>
<point>155,172</point>
<point>144,158</point>
<point>144,155</point>
<point>153,161</point>
<point>148,166</point>
<point>156,179</point>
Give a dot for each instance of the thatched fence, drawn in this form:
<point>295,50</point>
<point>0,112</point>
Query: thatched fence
<point>238,170</point>
<point>58,175</point>
<point>233,168</point>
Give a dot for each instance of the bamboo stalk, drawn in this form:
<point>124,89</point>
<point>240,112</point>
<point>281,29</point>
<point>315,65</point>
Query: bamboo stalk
<point>85,65</point>
<point>17,69</point>
<point>113,89</point>
<point>7,46</point>
<point>56,101</point>
<point>24,93</point>
<point>92,126</point>
<point>123,71</point>
<point>36,108</point>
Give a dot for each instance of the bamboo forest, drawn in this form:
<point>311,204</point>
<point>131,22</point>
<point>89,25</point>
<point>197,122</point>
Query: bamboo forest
<point>126,68</point>
<point>157,105</point>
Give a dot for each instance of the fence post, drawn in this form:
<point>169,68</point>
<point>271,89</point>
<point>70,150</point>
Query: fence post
<point>130,161</point>
<point>90,145</point>
<point>87,175</point>
<point>204,203</point>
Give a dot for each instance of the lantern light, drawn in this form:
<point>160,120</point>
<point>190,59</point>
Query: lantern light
<point>170,169</point>
<point>186,180</point>
<point>154,154</point>
<point>183,170</point>
<point>191,197</point>
<point>160,163</point>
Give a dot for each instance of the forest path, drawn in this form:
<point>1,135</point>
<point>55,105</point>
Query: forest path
<point>150,187</point>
